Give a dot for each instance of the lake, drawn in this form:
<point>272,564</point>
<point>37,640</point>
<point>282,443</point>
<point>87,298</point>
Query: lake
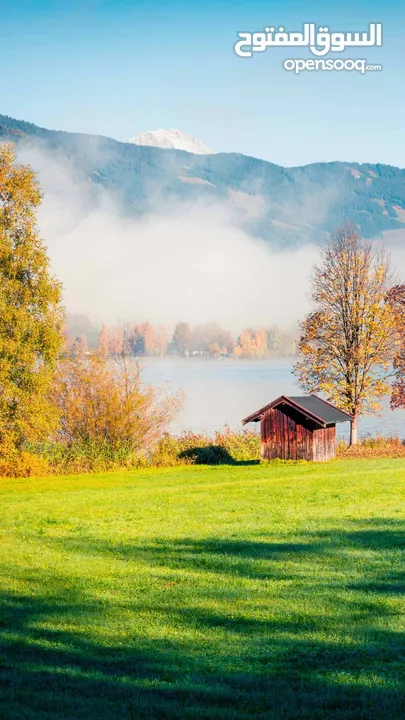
<point>223,392</point>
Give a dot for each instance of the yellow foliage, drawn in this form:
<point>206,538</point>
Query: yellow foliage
<point>103,402</point>
<point>350,338</point>
<point>31,317</point>
<point>23,464</point>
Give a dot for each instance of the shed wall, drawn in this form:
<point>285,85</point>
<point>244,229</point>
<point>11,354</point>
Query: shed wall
<point>324,443</point>
<point>286,438</point>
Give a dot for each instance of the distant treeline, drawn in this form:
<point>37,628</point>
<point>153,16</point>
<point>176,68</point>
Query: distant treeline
<point>206,340</point>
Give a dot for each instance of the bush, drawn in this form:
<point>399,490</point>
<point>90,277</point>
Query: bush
<point>242,446</point>
<point>94,456</point>
<point>66,459</point>
<point>169,450</point>
<point>373,447</point>
<point>105,410</point>
<point>23,464</point>
<point>226,447</point>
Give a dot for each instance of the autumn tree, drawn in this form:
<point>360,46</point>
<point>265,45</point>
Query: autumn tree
<point>161,341</point>
<point>244,347</point>
<point>136,340</point>
<point>149,337</point>
<point>31,316</point>
<point>280,343</point>
<point>142,339</point>
<point>104,404</point>
<point>80,346</point>
<point>68,340</point>
<point>251,344</point>
<point>104,341</point>
<point>396,299</point>
<point>182,340</point>
<point>116,343</point>
<point>349,339</point>
<point>212,338</point>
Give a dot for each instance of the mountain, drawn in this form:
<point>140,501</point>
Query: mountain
<point>172,140</point>
<point>283,206</point>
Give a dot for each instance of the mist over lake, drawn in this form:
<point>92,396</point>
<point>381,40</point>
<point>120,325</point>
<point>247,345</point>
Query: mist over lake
<point>223,392</point>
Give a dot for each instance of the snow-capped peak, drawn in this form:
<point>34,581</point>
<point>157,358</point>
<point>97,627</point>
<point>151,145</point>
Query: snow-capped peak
<point>174,139</point>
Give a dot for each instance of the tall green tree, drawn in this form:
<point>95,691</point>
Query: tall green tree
<point>31,315</point>
<point>350,338</point>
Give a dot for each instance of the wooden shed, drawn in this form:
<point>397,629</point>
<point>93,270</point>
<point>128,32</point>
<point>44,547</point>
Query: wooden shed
<point>298,428</point>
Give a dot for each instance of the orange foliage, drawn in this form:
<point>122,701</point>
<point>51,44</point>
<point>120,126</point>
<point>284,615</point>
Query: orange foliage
<point>104,402</point>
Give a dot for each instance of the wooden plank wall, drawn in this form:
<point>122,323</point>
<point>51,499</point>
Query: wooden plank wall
<point>324,443</point>
<point>282,437</point>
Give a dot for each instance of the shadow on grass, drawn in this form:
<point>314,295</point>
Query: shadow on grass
<point>262,558</point>
<point>258,560</point>
<point>57,662</point>
<point>213,455</point>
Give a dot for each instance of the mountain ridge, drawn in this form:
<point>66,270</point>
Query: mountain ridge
<point>283,206</point>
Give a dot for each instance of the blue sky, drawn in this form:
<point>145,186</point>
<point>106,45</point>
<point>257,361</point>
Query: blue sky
<point>119,68</point>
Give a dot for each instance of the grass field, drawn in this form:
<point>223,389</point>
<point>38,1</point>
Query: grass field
<point>267,592</point>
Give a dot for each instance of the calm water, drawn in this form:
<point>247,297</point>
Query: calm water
<point>222,392</point>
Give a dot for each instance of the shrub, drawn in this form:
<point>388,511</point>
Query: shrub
<point>226,447</point>
<point>106,413</point>
<point>242,446</point>
<point>23,464</point>
<point>373,447</point>
<point>66,459</point>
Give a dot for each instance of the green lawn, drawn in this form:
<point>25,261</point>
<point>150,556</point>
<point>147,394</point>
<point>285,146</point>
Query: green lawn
<point>257,591</point>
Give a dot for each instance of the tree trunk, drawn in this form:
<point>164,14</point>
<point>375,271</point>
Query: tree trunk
<point>353,430</point>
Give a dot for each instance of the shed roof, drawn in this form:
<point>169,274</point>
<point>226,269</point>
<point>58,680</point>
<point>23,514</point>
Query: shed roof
<point>310,406</point>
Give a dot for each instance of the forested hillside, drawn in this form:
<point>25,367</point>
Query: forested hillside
<point>286,206</point>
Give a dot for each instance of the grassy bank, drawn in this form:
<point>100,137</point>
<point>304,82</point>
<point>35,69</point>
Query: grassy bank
<point>252,591</point>
<point>189,448</point>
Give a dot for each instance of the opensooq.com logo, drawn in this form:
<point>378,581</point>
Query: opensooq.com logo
<point>320,42</point>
